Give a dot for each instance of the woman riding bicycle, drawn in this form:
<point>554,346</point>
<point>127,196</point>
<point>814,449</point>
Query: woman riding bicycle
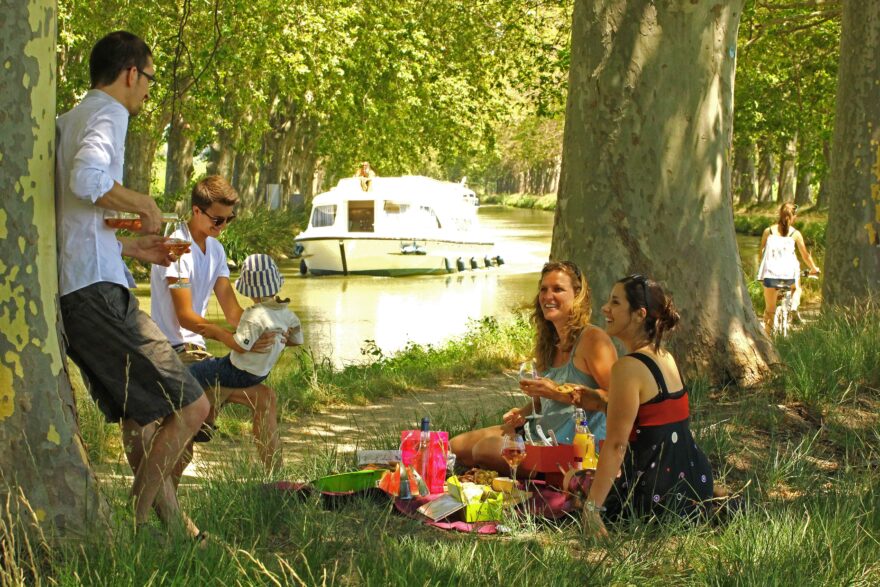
<point>779,265</point>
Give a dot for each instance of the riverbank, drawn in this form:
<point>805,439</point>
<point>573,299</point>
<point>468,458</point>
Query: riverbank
<point>750,220</point>
<point>803,452</point>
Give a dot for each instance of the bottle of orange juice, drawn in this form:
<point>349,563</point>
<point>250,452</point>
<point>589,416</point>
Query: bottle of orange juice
<point>581,440</point>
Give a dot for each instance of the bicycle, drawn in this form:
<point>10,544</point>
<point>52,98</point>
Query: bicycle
<point>781,318</point>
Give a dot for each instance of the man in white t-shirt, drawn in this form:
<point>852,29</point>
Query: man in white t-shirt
<point>180,312</point>
<point>131,371</point>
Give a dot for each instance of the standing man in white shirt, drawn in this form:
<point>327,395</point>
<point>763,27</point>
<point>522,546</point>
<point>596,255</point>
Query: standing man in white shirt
<point>129,367</point>
<point>180,312</point>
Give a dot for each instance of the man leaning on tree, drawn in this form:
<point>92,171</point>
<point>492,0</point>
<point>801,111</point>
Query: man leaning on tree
<point>130,369</point>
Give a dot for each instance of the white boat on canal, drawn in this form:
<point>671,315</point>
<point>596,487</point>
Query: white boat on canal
<point>407,225</point>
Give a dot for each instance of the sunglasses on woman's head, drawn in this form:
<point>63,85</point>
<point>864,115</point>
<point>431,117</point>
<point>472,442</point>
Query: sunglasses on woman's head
<point>574,268</point>
<point>642,280</point>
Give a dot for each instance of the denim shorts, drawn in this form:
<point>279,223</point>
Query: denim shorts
<point>127,364</point>
<point>773,283</point>
<point>221,372</point>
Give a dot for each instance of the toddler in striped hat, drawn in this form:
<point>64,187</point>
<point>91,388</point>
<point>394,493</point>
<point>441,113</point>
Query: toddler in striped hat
<point>259,280</point>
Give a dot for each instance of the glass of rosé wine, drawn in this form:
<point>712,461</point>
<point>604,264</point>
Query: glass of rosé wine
<point>179,240</point>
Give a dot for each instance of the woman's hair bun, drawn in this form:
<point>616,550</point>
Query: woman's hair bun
<point>669,316</point>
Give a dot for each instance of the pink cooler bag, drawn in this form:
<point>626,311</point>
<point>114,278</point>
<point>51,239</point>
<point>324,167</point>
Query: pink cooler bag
<point>438,448</point>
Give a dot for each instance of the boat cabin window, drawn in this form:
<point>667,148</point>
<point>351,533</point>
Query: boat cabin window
<point>324,216</point>
<point>392,208</point>
<point>361,215</point>
<point>413,216</point>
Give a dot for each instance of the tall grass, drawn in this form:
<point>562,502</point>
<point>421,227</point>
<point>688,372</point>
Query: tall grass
<point>813,514</point>
<point>827,536</point>
<point>835,359</point>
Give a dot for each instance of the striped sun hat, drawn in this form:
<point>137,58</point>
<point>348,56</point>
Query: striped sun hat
<point>259,277</point>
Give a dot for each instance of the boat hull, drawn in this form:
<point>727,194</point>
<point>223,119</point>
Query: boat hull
<point>394,257</point>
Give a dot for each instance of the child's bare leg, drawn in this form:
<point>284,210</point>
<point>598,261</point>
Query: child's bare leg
<point>263,401</point>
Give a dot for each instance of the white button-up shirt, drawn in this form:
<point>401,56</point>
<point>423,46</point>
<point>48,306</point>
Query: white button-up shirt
<point>90,151</point>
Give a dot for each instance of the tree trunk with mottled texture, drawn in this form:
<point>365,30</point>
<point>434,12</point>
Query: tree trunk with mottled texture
<point>645,183</point>
<point>766,175</point>
<point>179,158</point>
<point>852,262</point>
<point>244,177</point>
<point>744,177</point>
<point>43,463</point>
<point>803,194</point>
<point>140,151</point>
<point>222,158</point>
<point>787,163</point>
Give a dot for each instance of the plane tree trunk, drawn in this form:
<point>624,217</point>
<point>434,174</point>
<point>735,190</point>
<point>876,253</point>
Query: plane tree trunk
<point>181,144</point>
<point>645,182</point>
<point>44,471</point>
<point>852,262</point>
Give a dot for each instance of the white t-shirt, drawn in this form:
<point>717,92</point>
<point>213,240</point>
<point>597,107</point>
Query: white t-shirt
<point>90,151</point>
<point>203,269</point>
<point>254,322</point>
<point>779,261</point>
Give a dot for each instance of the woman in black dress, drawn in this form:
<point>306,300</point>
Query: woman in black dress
<point>648,437</point>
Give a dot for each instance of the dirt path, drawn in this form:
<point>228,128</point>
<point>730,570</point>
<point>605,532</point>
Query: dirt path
<point>344,428</point>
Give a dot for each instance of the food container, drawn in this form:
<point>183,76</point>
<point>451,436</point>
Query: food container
<point>349,482</point>
<point>548,459</point>
<point>487,506</point>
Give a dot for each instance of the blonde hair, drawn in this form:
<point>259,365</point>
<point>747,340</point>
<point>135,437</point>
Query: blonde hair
<point>546,337</point>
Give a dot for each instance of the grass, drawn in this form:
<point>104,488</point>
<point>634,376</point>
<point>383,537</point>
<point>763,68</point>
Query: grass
<point>806,469</point>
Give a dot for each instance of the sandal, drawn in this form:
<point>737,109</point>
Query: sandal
<point>206,432</point>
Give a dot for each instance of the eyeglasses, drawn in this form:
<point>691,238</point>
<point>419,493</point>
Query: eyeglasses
<point>219,220</point>
<point>151,77</point>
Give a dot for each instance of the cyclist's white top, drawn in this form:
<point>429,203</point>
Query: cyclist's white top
<point>779,260</point>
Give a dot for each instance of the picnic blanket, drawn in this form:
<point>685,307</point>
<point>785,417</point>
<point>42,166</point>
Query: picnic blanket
<point>545,502</point>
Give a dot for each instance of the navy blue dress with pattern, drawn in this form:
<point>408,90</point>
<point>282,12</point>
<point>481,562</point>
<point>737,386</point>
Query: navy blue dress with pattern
<point>663,470</point>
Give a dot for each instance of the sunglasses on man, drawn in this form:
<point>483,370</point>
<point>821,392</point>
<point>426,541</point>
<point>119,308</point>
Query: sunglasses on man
<point>219,220</point>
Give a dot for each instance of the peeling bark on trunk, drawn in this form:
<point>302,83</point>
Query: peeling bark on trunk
<point>852,262</point>
<point>785,193</point>
<point>179,158</point>
<point>744,176</point>
<point>766,175</point>
<point>645,183</point>
<point>42,455</point>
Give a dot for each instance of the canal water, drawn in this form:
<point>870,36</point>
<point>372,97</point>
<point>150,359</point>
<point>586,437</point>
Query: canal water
<point>340,314</point>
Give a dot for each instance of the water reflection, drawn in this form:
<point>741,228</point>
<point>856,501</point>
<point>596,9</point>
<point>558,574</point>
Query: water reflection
<point>340,313</point>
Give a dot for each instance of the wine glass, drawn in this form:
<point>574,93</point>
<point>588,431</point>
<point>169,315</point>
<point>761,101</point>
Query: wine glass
<point>527,370</point>
<point>179,240</point>
<point>513,450</point>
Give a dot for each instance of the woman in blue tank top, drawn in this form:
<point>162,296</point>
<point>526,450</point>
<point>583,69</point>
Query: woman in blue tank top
<point>568,349</point>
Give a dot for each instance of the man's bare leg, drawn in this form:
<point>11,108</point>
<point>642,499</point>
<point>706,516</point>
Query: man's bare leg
<point>262,400</point>
<point>136,441</point>
<point>167,444</point>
